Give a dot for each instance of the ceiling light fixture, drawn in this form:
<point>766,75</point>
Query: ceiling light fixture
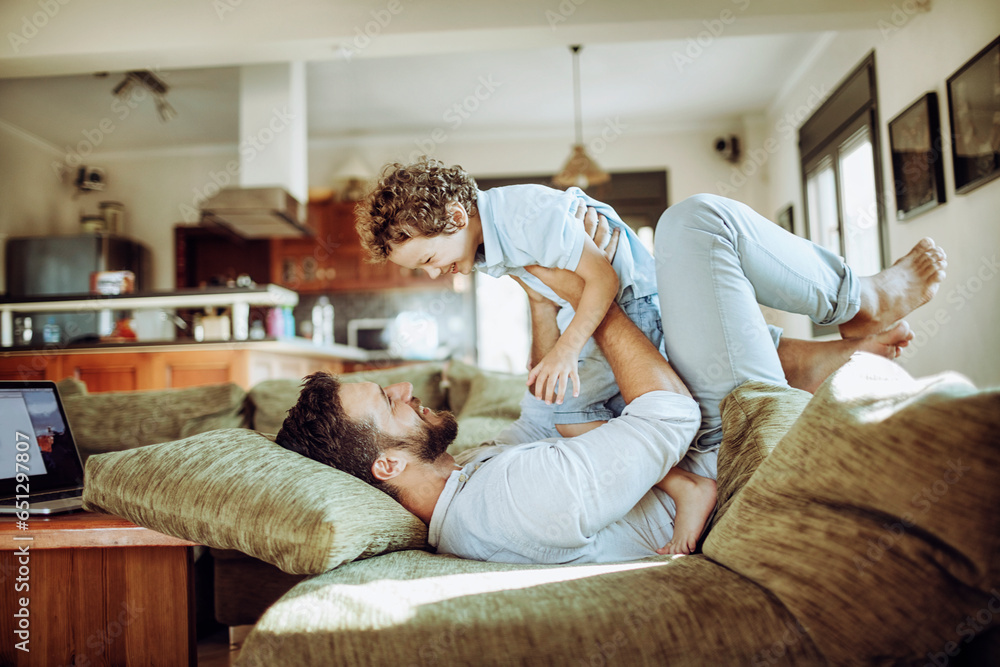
<point>580,170</point>
<point>149,81</point>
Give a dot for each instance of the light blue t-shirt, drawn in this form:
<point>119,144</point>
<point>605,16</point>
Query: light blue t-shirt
<point>570,500</point>
<point>525,225</point>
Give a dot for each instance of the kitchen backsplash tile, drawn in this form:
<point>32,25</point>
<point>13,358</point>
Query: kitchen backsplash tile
<point>454,312</point>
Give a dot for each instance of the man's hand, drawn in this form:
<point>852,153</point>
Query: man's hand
<point>560,364</point>
<point>599,230</point>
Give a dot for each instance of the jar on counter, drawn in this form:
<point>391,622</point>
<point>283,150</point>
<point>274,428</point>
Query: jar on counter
<point>92,224</point>
<point>113,213</point>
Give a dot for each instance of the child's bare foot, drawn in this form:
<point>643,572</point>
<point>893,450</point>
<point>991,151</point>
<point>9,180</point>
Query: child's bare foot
<point>894,293</point>
<point>694,496</point>
<point>887,344</point>
<point>807,363</point>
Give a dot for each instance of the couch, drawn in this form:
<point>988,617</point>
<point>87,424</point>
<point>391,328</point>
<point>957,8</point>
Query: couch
<point>856,526</point>
<point>244,586</point>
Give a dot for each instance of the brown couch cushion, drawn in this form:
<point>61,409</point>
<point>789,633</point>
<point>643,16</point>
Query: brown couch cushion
<point>235,489</point>
<point>755,416</point>
<point>874,520</point>
<point>416,608</point>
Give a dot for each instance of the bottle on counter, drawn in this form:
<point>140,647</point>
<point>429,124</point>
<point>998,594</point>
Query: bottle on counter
<point>22,331</point>
<point>275,323</point>
<point>326,310</point>
<point>197,328</point>
<point>317,322</point>
<point>51,333</point>
<point>322,321</point>
<point>257,331</point>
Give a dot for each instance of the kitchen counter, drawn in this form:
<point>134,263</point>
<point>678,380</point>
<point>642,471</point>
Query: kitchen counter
<point>157,365</point>
<point>292,346</point>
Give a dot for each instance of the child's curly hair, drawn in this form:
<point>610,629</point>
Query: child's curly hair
<point>411,200</point>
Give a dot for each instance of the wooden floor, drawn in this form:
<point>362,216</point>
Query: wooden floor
<point>213,651</point>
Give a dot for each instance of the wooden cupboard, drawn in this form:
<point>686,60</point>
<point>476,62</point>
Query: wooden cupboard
<point>330,261</point>
<point>184,365</point>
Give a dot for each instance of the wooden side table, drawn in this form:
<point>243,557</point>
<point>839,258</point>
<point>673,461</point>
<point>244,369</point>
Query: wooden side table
<point>101,590</point>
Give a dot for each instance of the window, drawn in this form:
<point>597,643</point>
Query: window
<point>842,175</point>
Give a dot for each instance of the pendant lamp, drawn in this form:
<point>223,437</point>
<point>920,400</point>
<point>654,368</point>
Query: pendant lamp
<point>580,170</point>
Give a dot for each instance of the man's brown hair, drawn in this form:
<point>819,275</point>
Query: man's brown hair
<point>318,427</point>
<point>411,200</point>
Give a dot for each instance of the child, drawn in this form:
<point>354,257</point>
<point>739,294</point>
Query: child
<point>432,217</point>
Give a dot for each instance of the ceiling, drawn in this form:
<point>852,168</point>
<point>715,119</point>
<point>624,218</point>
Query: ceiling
<point>645,63</point>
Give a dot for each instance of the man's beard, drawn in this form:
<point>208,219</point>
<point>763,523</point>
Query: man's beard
<point>434,440</point>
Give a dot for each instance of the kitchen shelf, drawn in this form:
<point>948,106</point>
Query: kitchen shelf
<point>239,299</point>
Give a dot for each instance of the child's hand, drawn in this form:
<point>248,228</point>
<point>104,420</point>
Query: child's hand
<point>559,365</point>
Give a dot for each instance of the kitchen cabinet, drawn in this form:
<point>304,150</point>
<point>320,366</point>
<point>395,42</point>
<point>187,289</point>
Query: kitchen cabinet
<point>330,261</point>
<point>333,260</point>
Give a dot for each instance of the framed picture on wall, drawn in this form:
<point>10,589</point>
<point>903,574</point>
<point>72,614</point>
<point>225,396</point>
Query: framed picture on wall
<point>974,107</point>
<point>917,160</point>
<point>786,219</point>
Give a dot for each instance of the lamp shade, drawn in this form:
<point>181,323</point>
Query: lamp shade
<point>354,169</point>
<point>580,170</point>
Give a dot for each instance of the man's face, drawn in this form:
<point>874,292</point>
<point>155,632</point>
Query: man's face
<point>439,255</point>
<point>395,412</point>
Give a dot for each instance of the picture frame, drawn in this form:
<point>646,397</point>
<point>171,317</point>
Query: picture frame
<point>786,219</point>
<point>974,110</point>
<point>917,157</point>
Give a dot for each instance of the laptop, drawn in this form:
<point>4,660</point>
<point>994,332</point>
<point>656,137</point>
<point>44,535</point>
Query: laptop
<point>40,467</point>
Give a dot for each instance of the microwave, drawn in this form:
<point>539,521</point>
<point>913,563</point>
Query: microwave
<point>369,333</point>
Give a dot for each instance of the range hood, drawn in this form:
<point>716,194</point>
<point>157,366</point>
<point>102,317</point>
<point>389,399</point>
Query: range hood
<point>268,202</point>
<point>256,213</point>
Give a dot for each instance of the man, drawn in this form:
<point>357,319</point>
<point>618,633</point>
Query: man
<point>594,497</point>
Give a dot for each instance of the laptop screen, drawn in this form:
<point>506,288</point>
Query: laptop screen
<point>35,440</point>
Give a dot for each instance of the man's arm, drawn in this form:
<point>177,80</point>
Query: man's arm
<point>600,286</point>
<point>544,328</point>
<point>639,367</point>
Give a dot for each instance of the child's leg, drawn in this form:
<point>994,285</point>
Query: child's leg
<point>694,496</point>
<point>717,260</point>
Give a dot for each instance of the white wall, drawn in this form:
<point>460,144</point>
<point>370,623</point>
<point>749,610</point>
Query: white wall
<point>916,53</point>
<point>161,189</point>
<point>34,199</point>
<point>686,153</point>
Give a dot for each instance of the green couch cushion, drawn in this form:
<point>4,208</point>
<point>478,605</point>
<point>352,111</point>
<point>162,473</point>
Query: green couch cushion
<point>271,399</point>
<point>416,608</point>
<point>755,416</point>
<point>70,386</point>
<point>457,382</point>
<point>874,519</point>
<point>492,402</point>
<point>115,421</point>
<point>236,489</point>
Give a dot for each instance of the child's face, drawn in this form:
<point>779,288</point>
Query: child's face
<point>439,255</point>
